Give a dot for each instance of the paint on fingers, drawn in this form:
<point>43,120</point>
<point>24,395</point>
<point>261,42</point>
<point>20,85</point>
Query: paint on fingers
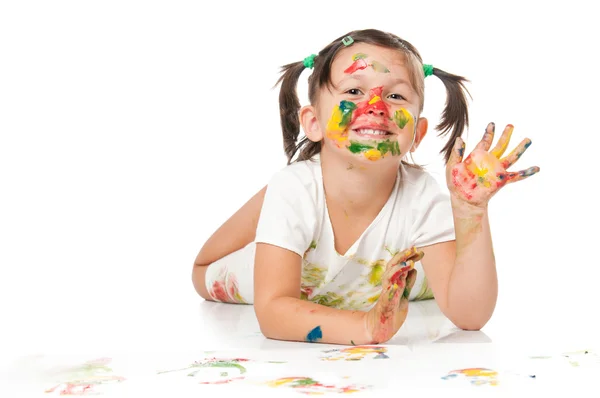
<point>503,142</point>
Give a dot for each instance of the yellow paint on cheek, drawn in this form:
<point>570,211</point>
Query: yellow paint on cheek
<point>335,120</point>
<point>341,116</point>
<point>334,129</point>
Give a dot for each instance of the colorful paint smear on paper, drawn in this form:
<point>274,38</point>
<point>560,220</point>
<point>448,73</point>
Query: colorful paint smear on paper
<point>310,386</point>
<point>355,353</point>
<point>200,369</point>
<point>576,358</point>
<point>360,63</point>
<point>85,379</point>
<point>475,376</point>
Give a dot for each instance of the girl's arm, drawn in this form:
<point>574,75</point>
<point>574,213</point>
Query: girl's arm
<point>281,313</point>
<point>463,274</point>
<point>237,232</point>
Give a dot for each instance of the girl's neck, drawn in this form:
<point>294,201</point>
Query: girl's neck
<point>357,187</point>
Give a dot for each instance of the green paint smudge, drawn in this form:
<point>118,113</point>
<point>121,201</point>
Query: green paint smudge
<point>379,67</point>
<point>352,342</point>
<point>389,146</point>
<point>346,108</point>
<point>357,147</point>
<point>401,118</point>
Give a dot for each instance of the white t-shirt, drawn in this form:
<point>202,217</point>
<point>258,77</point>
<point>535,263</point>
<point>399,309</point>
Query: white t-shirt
<point>294,216</point>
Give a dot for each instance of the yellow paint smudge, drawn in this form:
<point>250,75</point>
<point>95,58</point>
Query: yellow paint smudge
<point>372,154</point>
<point>374,100</point>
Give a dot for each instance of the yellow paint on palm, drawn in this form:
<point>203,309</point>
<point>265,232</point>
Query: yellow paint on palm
<point>484,167</point>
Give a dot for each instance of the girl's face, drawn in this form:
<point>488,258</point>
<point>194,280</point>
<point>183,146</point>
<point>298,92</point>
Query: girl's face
<point>369,114</point>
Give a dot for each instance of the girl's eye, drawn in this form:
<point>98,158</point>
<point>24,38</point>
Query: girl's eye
<point>354,91</point>
<point>397,96</point>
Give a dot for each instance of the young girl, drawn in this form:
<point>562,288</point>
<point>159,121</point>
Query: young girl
<point>339,241</point>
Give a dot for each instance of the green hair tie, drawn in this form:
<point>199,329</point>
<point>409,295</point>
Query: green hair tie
<point>309,61</point>
<point>427,69</point>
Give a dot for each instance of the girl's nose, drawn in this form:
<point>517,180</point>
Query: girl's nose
<point>376,112</point>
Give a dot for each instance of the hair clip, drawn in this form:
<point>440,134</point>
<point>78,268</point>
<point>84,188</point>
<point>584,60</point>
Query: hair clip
<point>427,70</point>
<point>347,41</point>
<point>309,61</point>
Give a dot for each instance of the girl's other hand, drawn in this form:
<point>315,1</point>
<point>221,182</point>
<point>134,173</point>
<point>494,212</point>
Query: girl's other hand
<point>385,319</point>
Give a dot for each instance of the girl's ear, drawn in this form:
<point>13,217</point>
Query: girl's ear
<point>420,132</point>
<point>310,123</point>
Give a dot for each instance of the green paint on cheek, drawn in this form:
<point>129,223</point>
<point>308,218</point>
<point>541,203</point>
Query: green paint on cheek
<point>358,56</point>
<point>357,147</point>
<point>389,146</point>
<point>401,118</point>
<point>346,107</point>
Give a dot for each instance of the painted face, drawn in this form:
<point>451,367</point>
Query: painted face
<point>373,104</point>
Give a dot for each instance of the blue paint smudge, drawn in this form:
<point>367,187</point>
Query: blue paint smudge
<point>314,335</point>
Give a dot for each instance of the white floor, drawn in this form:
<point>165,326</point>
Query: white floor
<point>173,329</point>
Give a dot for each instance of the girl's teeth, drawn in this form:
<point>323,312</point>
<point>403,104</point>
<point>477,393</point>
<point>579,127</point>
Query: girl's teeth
<point>372,132</point>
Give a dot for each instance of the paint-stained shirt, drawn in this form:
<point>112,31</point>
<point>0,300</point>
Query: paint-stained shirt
<point>294,216</point>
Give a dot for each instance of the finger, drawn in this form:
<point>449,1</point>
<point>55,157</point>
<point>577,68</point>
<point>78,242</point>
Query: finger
<point>402,256</point>
<point>410,282</point>
<point>456,156</point>
<point>397,274</point>
<point>521,175</point>
<point>516,153</point>
<point>502,143</point>
<point>488,137</point>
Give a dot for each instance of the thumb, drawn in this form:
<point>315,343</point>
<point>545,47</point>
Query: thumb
<point>456,156</point>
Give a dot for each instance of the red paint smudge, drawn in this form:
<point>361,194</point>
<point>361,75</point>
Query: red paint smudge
<point>218,291</point>
<point>359,64</point>
<point>379,108</point>
<point>458,185</point>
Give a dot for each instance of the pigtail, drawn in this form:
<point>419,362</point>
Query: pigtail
<point>289,106</point>
<point>455,116</point>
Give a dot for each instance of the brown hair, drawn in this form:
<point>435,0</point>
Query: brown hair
<point>455,116</point>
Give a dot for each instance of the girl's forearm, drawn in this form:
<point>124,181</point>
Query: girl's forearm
<point>292,319</point>
<point>473,283</point>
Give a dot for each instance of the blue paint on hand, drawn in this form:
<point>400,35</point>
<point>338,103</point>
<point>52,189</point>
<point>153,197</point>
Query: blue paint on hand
<point>314,335</point>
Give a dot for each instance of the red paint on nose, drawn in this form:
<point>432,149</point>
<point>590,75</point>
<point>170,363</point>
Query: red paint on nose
<point>378,109</point>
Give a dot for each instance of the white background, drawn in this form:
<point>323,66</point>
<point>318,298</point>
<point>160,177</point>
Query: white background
<point>131,130</point>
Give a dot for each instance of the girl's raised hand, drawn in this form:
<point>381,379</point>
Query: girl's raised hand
<point>387,316</point>
<point>476,179</point>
